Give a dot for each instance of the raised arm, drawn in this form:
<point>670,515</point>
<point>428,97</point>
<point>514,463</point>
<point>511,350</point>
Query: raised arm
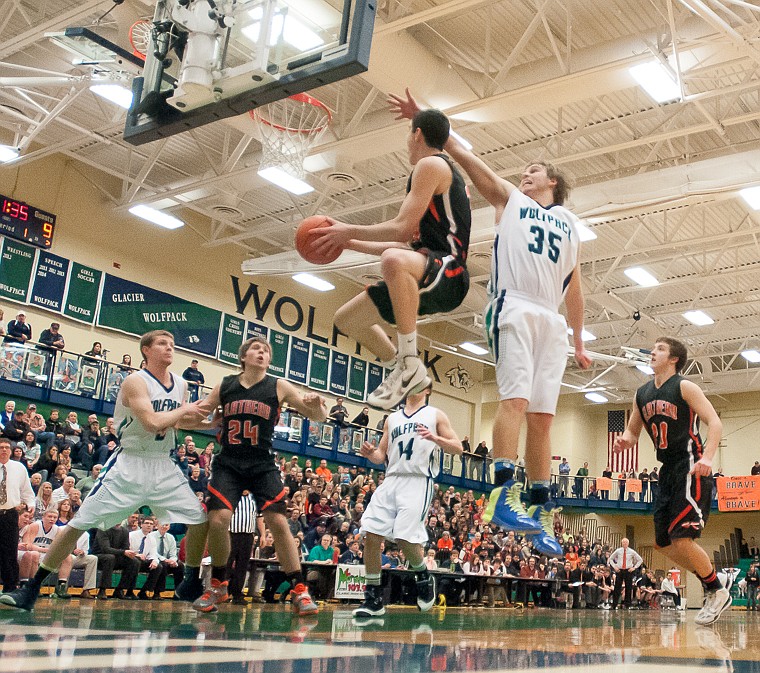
<point>135,396</point>
<point>494,189</point>
<point>377,454</point>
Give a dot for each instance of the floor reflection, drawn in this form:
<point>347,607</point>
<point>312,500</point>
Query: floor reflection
<point>172,638</point>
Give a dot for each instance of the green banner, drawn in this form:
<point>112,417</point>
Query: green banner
<point>357,379</point>
<point>233,329</point>
<point>82,298</point>
<point>135,309</point>
<point>16,270</point>
<point>280,345</point>
<point>320,359</point>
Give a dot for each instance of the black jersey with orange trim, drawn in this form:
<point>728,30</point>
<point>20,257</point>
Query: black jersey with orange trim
<point>249,416</point>
<point>445,226</point>
<point>670,421</point>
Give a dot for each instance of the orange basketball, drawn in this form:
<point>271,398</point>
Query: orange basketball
<point>304,242</point>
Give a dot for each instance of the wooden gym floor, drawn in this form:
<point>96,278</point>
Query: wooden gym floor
<point>169,637</point>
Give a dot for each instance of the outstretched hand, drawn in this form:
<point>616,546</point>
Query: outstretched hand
<point>403,108</point>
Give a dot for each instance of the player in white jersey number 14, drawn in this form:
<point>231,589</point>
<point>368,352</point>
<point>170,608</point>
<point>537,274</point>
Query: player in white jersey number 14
<point>412,439</point>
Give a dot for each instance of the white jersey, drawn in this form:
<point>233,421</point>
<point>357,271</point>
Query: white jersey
<point>44,538</point>
<point>408,453</point>
<point>535,251</point>
<point>134,438</point>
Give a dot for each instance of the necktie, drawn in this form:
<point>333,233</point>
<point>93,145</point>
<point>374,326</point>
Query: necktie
<point>161,546</point>
<point>624,564</point>
<point>4,486</point>
<point>142,545</point>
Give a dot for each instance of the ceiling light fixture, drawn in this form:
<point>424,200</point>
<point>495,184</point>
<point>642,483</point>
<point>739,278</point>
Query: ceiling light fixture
<point>585,233</point>
<point>115,93</point>
<point>284,180</point>
<point>462,141</point>
<point>751,356</point>
<point>596,398</point>
<point>585,335</point>
<point>645,369</point>
<point>752,196</point>
<point>657,81</point>
<point>641,276</point>
<point>698,318</point>
<point>8,153</point>
<point>313,282</point>
<point>473,348</point>
<point>158,217</point>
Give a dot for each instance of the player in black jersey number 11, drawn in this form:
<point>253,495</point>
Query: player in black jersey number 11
<point>670,407</point>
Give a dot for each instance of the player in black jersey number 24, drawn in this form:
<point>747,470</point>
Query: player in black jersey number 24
<point>670,407</point>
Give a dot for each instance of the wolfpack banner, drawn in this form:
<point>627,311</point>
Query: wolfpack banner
<point>135,309</point>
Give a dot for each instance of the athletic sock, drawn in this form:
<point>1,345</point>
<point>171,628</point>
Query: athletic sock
<point>39,577</point>
<point>373,580</point>
<point>539,492</point>
<point>407,345</point>
<point>711,582</point>
<point>294,578</point>
<point>219,573</point>
<point>504,471</point>
<point>190,573</point>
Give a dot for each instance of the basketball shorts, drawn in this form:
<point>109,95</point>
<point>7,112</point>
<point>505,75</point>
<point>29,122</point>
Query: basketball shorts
<point>531,353</point>
<point>128,482</point>
<point>443,287</point>
<point>683,504</point>
<point>398,508</point>
<point>228,483</point>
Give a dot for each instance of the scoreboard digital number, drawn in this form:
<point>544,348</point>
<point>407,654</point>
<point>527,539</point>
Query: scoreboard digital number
<point>26,223</point>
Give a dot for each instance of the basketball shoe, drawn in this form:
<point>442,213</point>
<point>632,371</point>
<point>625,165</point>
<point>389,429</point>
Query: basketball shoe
<point>212,597</point>
<point>716,602</point>
<point>408,377</point>
<point>190,588</point>
<point>505,509</point>
<point>301,601</point>
<point>426,591</point>
<point>373,603</point>
<point>22,598</point>
<point>544,541</point>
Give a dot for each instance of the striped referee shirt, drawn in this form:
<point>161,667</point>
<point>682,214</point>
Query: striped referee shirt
<point>244,518</point>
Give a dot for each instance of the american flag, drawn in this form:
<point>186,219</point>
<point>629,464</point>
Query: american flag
<point>627,460</point>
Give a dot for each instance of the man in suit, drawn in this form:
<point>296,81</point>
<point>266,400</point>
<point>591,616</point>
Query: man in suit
<point>166,553</point>
<point>111,547</point>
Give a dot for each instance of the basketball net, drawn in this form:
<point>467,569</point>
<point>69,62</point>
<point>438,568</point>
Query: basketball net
<point>289,129</point>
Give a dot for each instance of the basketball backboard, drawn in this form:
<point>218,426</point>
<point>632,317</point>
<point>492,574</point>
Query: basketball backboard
<point>208,60</point>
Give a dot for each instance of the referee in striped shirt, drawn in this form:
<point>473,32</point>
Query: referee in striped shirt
<point>242,528</point>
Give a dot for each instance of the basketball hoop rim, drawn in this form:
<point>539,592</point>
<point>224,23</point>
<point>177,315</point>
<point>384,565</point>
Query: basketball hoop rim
<point>301,98</point>
<point>137,51</point>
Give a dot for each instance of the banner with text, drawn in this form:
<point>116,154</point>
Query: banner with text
<point>82,296</point>
<point>233,329</point>
<point>350,581</point>
<point>319,366</point>
<point>280,343</point>
<point>49,281</point>
<point>374,376</point>
<point>338,373</point>
<point>738,494</point>
<point>357,379</point>
<point>16,267</point>
<point>255,330</point>
<point>299,360</point>
<point>135,309</point>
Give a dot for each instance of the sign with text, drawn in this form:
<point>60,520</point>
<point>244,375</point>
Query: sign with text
<point>135,309</point>
<point>299,360</point>
<point>233,329</point>
<point>280,343</point>
<point>338,373</point>
<point>374,376</point>
<point>603,484</point>
<point>318,367</point>
<point>350,581</point>
<point>82,296</point>
<point>16,267</point>
<point>738,494</point>
<point>255,330</point>
<point>357,379</point>
<point>633,485</point>
<point>49,281</point>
